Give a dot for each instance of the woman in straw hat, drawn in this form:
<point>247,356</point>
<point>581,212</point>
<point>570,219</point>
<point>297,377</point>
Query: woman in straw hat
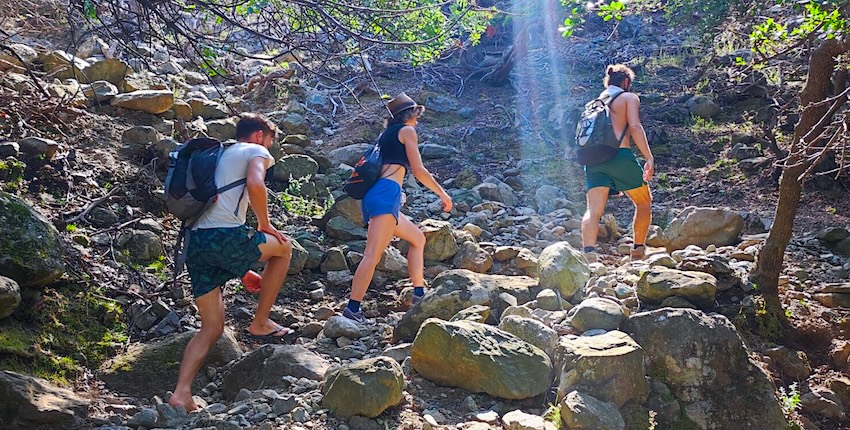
<point>382,203</point>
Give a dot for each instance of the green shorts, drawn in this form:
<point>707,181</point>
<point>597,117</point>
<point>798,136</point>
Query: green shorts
<point>217,255</point>
<point>622,173</point>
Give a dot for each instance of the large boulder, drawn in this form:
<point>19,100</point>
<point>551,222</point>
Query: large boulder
<point>150,101</point>
<point>295,123</point>
<point>659,283</point>
<point>563,268</point>
<point>30,251</point>
<point>455,290</point>
<point>343,229</point>
<point>608,366</point>
<point>300,258</point>
<point>392,261</point>
<point>345,207</point>
<point>111,70</point>
<point>703,107</point>
<point>531,331</point>
<point>33,403</point>
<point>267,365</point>
<point>440,243</point>
<point>580,411</point>
<point>38,147</point>
<point>480,358</point>
<point>842,247</point>
<point>222,129</point>
<point>597,313</point>
<point>138,139</point>
<point>62,65</point>
<point>348,155</point>
<point>339,326</point>
<point>151,369</point>
<point>704,361</point>
<point>9,61</point>
<point>703,227</point>
<point>10,296</point>
<point>546,198</point>
<point>295,167</point>
<point>100,91</point>
<point>208,109</point>
<point>298,140</point>
<point>472,257</point>
<point>367,387</point>
<point>497,191</point>
<point>140,246</point>
<point>433,151</point>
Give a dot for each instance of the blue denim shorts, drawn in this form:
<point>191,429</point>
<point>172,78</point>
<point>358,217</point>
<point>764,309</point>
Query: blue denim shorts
<point>385,197</point>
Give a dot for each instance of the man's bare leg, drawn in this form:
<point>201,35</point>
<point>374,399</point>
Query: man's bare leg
<point>642,199</point>
<point>278,255</point>
<point>597,198</point>
<point>211,310</point>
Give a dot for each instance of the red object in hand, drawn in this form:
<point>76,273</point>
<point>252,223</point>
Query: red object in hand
<point>251,281</point>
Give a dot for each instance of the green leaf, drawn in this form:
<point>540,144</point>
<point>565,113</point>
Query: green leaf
<point>89,9</point>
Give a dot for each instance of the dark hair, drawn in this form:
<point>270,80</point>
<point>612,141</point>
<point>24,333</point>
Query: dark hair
<point>403,116</point>
<point>250,123</point>
<point>616,74</point>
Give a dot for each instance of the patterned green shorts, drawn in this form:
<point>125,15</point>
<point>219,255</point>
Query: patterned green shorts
<point>217,255</point>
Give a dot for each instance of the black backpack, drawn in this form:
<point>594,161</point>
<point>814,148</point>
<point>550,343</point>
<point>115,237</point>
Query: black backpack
<point>190,188</point>
<point>596,142</point>
<point>366,172</point>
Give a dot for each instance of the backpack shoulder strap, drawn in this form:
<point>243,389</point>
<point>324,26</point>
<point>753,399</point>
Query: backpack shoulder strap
<point>626,129</point>
<point>614,97</point>
<point>232,185</point>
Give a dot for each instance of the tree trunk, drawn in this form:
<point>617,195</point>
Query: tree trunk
<point>818,88</point>
<point>502,70</point>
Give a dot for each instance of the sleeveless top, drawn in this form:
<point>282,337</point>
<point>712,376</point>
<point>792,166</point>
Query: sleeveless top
<point>392,150</point>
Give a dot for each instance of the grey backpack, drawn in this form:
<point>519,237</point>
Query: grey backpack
<point>596,142</point>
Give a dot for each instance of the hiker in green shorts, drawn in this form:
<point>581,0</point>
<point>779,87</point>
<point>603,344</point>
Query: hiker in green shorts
<point>221,247</point>
<point>623,173</point>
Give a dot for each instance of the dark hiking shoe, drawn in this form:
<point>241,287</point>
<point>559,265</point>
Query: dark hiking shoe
<point>416,299</point>
<point>638,254</point>
<point>357,317</point>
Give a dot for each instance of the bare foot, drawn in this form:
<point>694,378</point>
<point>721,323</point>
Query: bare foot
<point>269,328</point>
<point>183,400</point>
<point>251,281</point>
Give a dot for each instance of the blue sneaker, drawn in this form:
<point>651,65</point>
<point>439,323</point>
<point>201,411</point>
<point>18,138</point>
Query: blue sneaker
<point>357,317</point>
<point>416,299</point>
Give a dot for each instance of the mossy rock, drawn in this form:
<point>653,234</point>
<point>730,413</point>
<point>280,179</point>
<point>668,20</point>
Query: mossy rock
<point>30,251</point>
<point>59,331</point>
<point>467,178</point>
<point>367,387</point>
<point>151,369</point>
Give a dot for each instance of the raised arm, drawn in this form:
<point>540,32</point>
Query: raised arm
<point>255,185</point>
<point>639,134</point>
<point>407,136</point>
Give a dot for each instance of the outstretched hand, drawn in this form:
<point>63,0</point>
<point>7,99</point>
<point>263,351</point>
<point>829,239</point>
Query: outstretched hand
<point>447,202</point>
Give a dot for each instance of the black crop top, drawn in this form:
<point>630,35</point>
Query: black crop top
<point>392,150</point>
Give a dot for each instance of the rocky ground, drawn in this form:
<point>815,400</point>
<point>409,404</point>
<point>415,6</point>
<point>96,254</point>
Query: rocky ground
<point>517,330</point>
